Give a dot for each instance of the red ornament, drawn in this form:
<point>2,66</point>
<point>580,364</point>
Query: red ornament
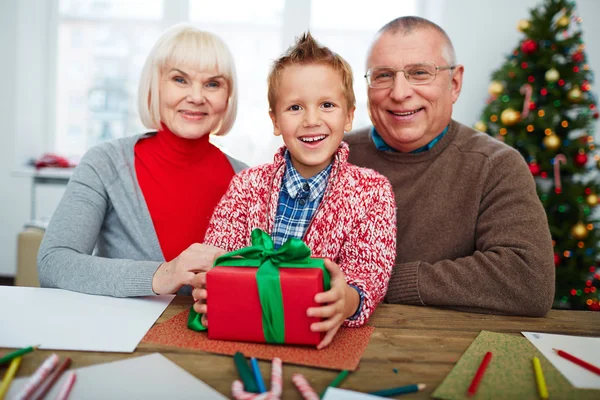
<point>532,106</point>
<point>556,259</point>
<point>523,65</point>
<point>544,91</point>
<point>580,159</point>
<point>592,106</point>
<point>529,46</point>
<point>535,169</point>
<point>578,57</point>
<point>594,306</point>
<point>530,79</point>
<point>575,69</point>
<point>596,115</point>
<point>561,82</point>
<point>544,175</point>
<point>586,87</point>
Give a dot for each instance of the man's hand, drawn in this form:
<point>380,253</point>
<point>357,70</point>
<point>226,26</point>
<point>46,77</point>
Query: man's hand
<point>182,270</point>
<point>340,302</point>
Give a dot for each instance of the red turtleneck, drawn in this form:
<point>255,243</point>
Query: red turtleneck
<point>182,181</point>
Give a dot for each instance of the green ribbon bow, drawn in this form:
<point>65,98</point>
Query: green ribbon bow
<point>294,253</point>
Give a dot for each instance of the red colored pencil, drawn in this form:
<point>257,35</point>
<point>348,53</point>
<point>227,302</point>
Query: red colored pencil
<point>578,361</point>
<point>43,391</point>
<point>67,386</point>
<point>479,375</point>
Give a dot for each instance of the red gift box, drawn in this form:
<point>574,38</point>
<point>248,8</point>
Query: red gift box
<point>235,312</point>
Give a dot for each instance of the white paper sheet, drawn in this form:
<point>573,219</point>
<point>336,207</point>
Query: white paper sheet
<point>343,394</point>
<point>584,348</point>
<point>152,376</point>
<point>64,320</point>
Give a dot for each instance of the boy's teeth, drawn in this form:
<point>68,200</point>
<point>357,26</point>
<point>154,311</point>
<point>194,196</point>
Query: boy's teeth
<point>312,139</point>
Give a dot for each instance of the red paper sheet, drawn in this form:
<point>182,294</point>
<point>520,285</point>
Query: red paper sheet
<point>343,353</point>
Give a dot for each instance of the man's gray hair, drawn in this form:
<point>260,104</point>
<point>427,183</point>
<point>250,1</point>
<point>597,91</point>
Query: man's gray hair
<point>407,25</point>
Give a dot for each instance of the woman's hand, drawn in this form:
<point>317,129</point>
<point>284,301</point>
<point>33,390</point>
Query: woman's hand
<point>185,269</point>
<point>341,302</point>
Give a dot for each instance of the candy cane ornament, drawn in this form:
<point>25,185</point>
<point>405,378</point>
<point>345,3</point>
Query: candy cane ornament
<point>304,387</point>
<point>527,90</point>
<point>557,160</point>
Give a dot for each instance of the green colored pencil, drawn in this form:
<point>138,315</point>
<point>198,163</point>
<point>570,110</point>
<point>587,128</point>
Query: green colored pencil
<point>245,373</point>
<point>8,357</point>
<point>338,379</point>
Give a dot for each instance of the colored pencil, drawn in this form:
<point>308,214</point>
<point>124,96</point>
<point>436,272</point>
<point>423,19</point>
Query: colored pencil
<point>38,377</point>
<point>48,383</point>
<point>8,357</point>
<point>399,390</point>
<point>539,378</point>
<point>245,373</point>
<point>338,379</point>
<point>578,361</point>
<point>65,389</point>
<point>257,376</point>
<point>8,376</point>
<point>479,375</point>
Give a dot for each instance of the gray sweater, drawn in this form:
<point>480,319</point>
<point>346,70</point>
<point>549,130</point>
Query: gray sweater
<point>101,239</point>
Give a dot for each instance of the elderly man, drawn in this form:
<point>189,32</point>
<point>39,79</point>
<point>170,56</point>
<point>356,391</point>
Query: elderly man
<point>472,234</point>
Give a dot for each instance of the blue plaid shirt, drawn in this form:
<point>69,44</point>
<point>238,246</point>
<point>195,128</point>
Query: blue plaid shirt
<point>383,146</point>
<point>299,199</point>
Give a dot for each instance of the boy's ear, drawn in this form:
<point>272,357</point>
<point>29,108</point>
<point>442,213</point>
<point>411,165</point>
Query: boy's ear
<point>349,120</point>
<point>276,130</point>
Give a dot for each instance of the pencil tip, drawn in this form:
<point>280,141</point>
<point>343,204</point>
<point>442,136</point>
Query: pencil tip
<point>555,349</point>
<point>421,386</point>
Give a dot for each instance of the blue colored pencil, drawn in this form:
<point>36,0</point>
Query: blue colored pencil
<point>257,376</point>
<point>399,390</point>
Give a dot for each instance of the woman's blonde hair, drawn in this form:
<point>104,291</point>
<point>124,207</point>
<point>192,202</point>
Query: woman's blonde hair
<point>183,44</point>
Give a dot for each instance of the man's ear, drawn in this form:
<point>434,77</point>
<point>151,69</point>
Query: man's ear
<point>349,120</point>
<point>276,130</point>
<point>456,82</point>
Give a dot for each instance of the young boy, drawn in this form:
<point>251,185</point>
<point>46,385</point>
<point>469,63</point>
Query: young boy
<point>342,212</point>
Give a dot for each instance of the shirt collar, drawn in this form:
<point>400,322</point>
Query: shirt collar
<point>383,146</point>
<point>294,183</point>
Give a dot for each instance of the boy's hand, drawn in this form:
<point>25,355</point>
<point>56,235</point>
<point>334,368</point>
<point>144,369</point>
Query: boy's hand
<point>341,302</point>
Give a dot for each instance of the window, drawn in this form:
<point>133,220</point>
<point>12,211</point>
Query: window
<point>102,45</point>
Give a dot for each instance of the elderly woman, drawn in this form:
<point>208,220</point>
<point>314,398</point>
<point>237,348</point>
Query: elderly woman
<point>135,210</point>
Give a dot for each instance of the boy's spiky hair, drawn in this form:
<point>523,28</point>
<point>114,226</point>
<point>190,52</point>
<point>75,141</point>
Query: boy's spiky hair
<point>307,51</point>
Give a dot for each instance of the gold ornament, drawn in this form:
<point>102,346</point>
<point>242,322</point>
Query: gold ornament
<point>575,95</point>
<point>592,200</point>
<point>552,142</point>
<point>523,25</point>
<point>552,75</point>
<point>509,117</point>
<point>563,21</point>
<point>579,231</point>
<point>480,126</point>
<point>496,88</point>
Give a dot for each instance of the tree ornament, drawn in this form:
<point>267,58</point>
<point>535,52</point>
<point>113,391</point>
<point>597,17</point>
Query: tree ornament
<point>529,46</point>
<point>552,142</point>
<point>552,75</point>
<point>563,22</point>
<point>480,126</point>
<point>592,200</point>
<point>534,168</point>
<point>523,25</point>
<point>496,88</point>
<point>579,231</point>
<point>527,91</point>
<point>580,159</point>
<point>556,259</point>
<point>559,158</point>
<point>577,57</point>
<point>510,117</point>
<point>575,95</point>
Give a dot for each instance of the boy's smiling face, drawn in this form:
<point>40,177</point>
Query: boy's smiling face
<point>311,115</point>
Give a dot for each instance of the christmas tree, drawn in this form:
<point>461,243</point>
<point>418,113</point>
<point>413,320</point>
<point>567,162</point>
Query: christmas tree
<point>540,103</point>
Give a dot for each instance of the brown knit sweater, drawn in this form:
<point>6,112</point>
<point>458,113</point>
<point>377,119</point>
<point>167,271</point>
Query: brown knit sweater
<point>472,233</point>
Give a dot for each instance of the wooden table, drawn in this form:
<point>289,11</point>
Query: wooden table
<point>422,343</point>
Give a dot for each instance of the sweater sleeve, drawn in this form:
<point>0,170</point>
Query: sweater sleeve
<point>228,226</point>
<point>367,257</point>
<point>65,257</point>
<point>512,269</point>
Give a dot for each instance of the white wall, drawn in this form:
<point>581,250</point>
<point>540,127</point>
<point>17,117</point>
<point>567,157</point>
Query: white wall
<point>483,32</point>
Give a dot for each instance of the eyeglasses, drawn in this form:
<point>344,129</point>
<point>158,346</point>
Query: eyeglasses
<point>415,74</point>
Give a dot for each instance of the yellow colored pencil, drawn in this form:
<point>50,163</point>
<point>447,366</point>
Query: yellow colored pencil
<point>539,377</point>
<point>8,376</point>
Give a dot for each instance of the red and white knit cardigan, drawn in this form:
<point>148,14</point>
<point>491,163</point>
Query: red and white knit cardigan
<point>354,226</point>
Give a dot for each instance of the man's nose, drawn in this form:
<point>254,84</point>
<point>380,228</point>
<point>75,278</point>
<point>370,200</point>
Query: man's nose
<point>401,88</point>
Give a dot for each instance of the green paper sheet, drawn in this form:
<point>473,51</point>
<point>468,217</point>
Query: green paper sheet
<point>510,373</point>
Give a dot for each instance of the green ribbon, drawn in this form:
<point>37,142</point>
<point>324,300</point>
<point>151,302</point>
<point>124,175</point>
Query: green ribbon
<point>294,253</point>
